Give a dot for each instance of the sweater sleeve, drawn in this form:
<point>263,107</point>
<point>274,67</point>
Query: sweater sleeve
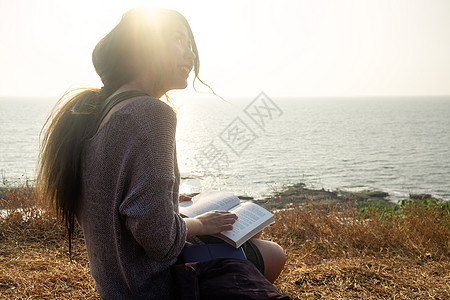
<point>150,197</point>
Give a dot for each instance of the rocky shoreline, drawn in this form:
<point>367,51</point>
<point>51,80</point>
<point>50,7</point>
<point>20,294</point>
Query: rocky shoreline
<point>298,194</point>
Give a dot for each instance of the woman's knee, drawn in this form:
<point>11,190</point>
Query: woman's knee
<point>274,258</point>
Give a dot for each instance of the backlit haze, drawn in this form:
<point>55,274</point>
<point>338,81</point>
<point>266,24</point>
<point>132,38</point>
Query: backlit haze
<point>284,48</point>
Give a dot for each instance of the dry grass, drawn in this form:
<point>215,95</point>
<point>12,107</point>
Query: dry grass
<point>332,254</point>
<point>34,254</point>
<point>342,254</point>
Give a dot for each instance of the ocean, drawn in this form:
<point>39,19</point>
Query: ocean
<point>255,146</point>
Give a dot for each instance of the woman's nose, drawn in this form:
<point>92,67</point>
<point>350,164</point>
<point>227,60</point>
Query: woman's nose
<point>189,54</point>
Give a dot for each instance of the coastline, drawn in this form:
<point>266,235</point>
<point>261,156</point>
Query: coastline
<point>298,195</point>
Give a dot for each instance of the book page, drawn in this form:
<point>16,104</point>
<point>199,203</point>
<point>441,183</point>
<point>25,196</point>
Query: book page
<point>208,201</point>
<point>250,216</point>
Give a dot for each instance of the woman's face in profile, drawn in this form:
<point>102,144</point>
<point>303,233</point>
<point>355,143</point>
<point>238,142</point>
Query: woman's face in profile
<point>179,57</point>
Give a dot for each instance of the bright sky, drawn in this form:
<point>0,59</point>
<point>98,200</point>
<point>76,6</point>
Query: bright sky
<point>284,48</point>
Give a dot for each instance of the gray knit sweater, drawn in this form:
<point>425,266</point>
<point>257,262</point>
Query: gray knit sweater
<point>129,208</point>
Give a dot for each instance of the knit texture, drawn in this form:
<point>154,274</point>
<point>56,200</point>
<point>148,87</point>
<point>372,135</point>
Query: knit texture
<point>129,208</point>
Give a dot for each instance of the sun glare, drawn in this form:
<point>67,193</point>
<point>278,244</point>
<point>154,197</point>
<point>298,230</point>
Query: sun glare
<point>310,48</point>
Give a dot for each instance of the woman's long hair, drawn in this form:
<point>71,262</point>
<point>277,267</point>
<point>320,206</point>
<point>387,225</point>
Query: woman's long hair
<point>135,45</point>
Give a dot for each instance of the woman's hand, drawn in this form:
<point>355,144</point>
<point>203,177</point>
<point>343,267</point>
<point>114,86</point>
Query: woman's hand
<point>210,223</point>
<point>217,221</point>
<point>183,198</point>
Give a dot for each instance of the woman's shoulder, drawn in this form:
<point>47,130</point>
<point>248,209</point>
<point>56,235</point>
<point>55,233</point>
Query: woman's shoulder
<point>146,106</point>
<point>141,116</point>
<point>149,113</point>
<point>137,108</point>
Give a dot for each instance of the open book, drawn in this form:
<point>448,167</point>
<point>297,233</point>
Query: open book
<point>252,218</point>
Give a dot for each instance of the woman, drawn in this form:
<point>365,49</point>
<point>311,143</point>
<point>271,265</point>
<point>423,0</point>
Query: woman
<point>108,160</point>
